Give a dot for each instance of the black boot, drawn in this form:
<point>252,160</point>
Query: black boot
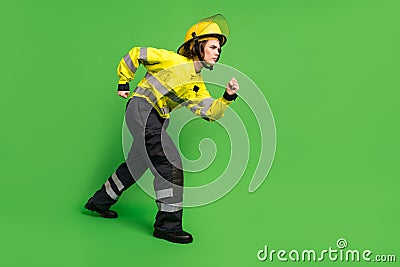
<point>179,236</point>
<point>103,213</point>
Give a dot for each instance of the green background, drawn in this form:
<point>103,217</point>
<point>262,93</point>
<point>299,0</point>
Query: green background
<point>330,72</point>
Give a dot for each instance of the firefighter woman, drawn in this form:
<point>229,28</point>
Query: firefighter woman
<point>172,81</point>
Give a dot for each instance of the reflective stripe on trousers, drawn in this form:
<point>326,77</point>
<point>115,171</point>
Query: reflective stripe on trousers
<point>152,148</point>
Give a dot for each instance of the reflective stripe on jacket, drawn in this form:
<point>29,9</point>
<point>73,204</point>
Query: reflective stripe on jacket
<point>170,83</point>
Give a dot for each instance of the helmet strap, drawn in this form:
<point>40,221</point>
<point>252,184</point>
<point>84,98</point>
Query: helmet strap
<point>198,54</point>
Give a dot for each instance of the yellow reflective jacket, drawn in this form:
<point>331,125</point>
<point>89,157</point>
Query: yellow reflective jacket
<point>170,83</point>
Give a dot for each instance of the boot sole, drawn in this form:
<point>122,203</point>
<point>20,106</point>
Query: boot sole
<point>178,241</point>
<point>101,214</point>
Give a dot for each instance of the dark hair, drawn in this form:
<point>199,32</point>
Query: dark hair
<point>192,52</point>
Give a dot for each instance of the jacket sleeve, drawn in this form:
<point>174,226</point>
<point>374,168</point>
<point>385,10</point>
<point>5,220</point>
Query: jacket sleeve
<point>207,107</point>
<point>148,56</point>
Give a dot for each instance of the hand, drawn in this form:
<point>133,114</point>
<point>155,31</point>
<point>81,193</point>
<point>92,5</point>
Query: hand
<point>124,94</point>
<point>232,86</point>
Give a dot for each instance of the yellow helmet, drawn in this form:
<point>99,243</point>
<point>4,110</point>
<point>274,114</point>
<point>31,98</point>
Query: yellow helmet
<point>212,28</point>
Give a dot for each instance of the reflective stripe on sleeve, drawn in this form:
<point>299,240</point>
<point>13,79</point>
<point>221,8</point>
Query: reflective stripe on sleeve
<point>117,182</point>
<point>169,207</point>
<point>160,194</point>
<point>110,191</point>
<point>129,63</point>
<point>205,105</point>
<point>143,53</point>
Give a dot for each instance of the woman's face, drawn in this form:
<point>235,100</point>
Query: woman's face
<point>211,51</point>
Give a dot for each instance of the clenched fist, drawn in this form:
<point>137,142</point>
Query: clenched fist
<point>232,86</point>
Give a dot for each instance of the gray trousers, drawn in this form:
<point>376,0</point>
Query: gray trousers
<point>152,148</point>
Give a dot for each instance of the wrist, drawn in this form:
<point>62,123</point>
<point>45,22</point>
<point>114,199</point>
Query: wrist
<point>123,87</point>
<point>230,97</point>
